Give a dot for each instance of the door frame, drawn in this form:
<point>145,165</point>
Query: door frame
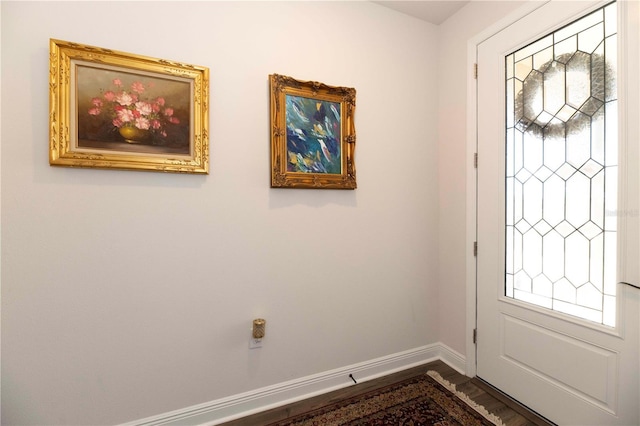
<point>471,178</point>
<point>628,272</point>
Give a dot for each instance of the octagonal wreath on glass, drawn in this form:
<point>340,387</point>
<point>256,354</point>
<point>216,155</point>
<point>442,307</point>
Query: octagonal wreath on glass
<point>312,134</point>
<point>116,110</point>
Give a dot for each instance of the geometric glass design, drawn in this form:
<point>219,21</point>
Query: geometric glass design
<point>561,169</point>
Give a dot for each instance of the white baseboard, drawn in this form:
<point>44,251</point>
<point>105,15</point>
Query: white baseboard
<point>236,406</point>
<point>454,359</point>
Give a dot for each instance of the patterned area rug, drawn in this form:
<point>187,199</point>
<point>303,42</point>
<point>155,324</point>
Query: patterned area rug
<point>423,400</point>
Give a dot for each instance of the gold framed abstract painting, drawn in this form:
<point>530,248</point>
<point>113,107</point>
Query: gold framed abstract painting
<point>312,134</point>
<point>116,110</point>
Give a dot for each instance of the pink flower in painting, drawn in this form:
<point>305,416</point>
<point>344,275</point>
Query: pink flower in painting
<point>125,115</point>
<point>124,99</point>
<point>137,87</point>
<point>145,108</point>
<point>130,108</point>
<point>142,123</point>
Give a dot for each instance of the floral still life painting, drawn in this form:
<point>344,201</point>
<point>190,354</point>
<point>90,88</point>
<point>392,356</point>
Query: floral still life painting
<point>116,110</point>
<point>313,134</point>
<point>132,108</point>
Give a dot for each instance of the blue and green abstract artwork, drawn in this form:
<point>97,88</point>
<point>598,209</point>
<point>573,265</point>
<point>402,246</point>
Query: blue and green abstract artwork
<point>313,135</point>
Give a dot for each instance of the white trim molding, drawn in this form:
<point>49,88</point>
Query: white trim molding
<point>255,401</point>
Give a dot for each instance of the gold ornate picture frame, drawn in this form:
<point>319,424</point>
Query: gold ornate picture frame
<point>313,134</point>
<point>116,110</point>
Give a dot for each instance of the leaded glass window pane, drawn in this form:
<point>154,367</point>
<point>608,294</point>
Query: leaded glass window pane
<point>561,169</point>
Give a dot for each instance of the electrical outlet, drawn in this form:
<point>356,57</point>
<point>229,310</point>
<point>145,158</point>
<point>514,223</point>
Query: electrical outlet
<point>255,343</point>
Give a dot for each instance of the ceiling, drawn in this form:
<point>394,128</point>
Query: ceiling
<point>435,12</point>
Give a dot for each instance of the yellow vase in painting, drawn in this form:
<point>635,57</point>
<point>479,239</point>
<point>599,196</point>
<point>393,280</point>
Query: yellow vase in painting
<point>133,134</point>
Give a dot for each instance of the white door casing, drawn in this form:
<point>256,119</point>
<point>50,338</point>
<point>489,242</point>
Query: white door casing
<point>569,370</point>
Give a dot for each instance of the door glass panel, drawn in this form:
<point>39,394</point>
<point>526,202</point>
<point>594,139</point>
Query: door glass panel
<point>561,180</point>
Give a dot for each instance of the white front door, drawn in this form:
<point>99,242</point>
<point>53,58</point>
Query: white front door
<point>557,128</point>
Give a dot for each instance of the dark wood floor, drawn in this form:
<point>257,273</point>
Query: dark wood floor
<point>511,413</point>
